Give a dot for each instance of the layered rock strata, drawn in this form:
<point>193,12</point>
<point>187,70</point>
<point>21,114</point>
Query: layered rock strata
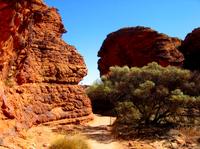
<point>39,71</point>
<point>138,46</point>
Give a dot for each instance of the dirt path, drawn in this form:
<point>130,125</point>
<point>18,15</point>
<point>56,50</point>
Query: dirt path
<point>97,131</point>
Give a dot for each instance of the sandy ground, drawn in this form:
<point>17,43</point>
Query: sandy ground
<point>98,133</point>
<point>102,134</point>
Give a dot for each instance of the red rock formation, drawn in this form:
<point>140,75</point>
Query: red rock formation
<point>191,50</point>
<point>39,71</point>
<point>137,46</point>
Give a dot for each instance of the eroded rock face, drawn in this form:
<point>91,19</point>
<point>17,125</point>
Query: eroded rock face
<point>191,50</point>
<point>138,46</point>
<point>39,71</point>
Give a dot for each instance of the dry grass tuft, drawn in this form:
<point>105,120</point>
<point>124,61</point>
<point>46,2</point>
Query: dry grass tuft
<point>192,134</point>
<point>70,142</point>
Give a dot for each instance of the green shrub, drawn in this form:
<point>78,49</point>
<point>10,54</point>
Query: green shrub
<point>192,87</point>
<point>149,95</point>
<point>70,142</point>
<point>99,93</point>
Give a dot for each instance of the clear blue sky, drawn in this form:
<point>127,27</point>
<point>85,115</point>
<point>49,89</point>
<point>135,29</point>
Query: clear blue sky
<point>89,21</point>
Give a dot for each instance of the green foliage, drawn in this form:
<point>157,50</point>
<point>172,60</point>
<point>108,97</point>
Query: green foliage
<point>192,87</point>
<point>70,142</point>
<point>149,95</point>
<point>127,113</point>
<point>99,90</point>
<point>99,94</point>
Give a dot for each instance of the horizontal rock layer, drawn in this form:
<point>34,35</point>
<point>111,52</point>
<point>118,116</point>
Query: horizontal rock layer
<point>38,103</point>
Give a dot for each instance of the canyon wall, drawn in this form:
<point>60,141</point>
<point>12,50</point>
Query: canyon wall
<point>39,72</point>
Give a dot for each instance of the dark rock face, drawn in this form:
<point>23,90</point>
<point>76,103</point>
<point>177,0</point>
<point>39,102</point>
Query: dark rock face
<point>39,71</point>
<point>137,46</point>
<point>191,50</point>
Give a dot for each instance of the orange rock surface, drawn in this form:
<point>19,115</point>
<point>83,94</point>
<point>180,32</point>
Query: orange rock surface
<point>138,46</point>
<point>39,71</point>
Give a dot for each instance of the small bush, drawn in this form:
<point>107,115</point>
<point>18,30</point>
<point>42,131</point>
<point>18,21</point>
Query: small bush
<point>151,95</point>
<point>70,142</point>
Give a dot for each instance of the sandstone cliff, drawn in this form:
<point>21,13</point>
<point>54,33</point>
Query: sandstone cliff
<point>137,46</point>
<point>39,71</point>
<point>191,50</point>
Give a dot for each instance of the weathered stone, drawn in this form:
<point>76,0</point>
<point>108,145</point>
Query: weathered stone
<point>39,71</point>
<point>137,46</point>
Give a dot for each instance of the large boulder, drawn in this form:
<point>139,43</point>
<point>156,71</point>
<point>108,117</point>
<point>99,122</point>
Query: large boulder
<point>191,50</point>
<point>39,72</point>
<point>138,46</point>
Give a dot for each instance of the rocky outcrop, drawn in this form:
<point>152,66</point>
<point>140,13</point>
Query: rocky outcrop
<point>39,71</point>
<point>191,50</point>
<point>137,46</point>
